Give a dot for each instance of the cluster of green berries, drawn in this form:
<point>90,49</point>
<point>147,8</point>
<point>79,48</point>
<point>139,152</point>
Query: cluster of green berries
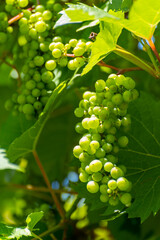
<point>104,113</point>
<point>78,49</point>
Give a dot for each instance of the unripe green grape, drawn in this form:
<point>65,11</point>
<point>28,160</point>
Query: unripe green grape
<point>123,184</point>
<point>126,198</point>
<point>103,114</point>
<point>93,122</point>
<point>40,26</point>
<point>28,109</point>
<point>94,144</point>
<point>57,39</point>
<point>104,198</point>
<point>77,150</point>
<point>96,110</point>
<point>108,95</point>
<point>39,61</point>
<point>95,166</point>
<point>126,121</point>
<point>40,85</point>
<point>92,187</point>
<point>117,99</point>
<point>127,96</point>
<point>79,128</point>
<point>112,130</point>
<point>39,8</point>
<point>57,7</point>
<point>129,83</point>
<point>83,177</point>
<point>21,99</point>
<point>115,149</point>
<point>71,65</point>
<point>123,141</point>
<point>8,105</point>
<point>85,123</point>
<point>56,53</point>
<point>100,85</point>
<point>47,76</point>
<point>113,201</point>
<point>21,40</point>
<point>79,62</point>
<point>22,3</point>
<point>84,157</point>
<point>108,166</point>
<point>30,99</point>
<point>51,46</point>
<point>135,94</point>
<point>79,112</point>
<point>89,45</point>
<point>36,92</point>
<point>97,176</point>
<point>50,65</point>
<point>47,15</point>
<point>100,153</point>
<point>63,61</point>
<point>116,172</point>
<point>96,137</point>
<point>30,84</point>
<point>59,45</point>
<point>119,80</point>
<point>87,95</point>
<point>37,105</point>
<point>84,143</point>
<point>44,46</point>
<point>107,147</point>
<point>78,51</point>
<point>87,169</point>
<point>73,42</point>
<point>101,128</point>
<point>103,188</point>
<point>84,103</point>
<point>105,179</point>
<point>112,184</point>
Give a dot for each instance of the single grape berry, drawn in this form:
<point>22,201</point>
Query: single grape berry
<point>92,187</point>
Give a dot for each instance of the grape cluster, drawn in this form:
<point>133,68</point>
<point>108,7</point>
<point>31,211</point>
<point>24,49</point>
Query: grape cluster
<point>104,113</point>
<point>40,52</point>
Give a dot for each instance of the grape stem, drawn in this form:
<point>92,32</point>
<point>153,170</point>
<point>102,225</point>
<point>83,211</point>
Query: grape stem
<point>39,189</point>
<point>17,17</point>
<point>14,67</point>
<point>51,230</point>
<point>153,47</point>
<point>45,177</point>
<point>103,64</point>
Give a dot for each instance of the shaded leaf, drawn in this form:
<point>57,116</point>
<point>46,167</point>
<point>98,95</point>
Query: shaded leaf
<point>142,158</point>
<point>27,142</point>
<point>33,219</point>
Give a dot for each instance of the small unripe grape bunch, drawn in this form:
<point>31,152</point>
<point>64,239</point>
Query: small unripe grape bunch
<point>77,49</point>
<point>104,113</point>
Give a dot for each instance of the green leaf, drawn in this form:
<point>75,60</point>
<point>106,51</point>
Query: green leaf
<point>77,13</point>
<point>142,158</point>
<point>88,25</point>
<point>143,18</point>
<point>105,43</point>
<point>5,164</point>
<point>27,142</point>
<point>118,5</point>
<point>33,219</point>
<point>13,232</point>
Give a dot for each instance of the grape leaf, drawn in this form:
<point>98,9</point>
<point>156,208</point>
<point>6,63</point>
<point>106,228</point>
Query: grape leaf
<point>77,13</point>
<point>17,232</point>
<point>105,43</point>
<point>27,142</point>
<point>33,219</point>
<point>5,164</point>
<point>7,232</point>
<point>118,5</point>
<point>142,158</point>
<point>143,18</point>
